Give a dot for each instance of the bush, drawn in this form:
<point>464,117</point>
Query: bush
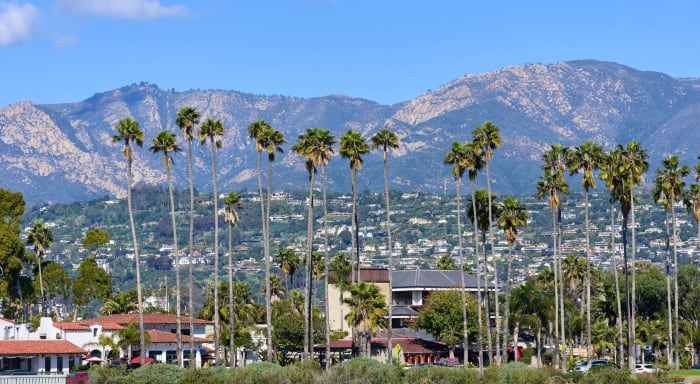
<point>363,370</point>
<point>527,355</point>
<point>431,374</point>
<point>108,375</point>
<point>154,374</point>
<point>608,376</point>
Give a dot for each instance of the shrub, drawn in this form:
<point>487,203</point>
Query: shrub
<point>608,376</point>
<point>108,375</point>
<point>527,355</point>
<point>154,374</point>
<point>431,374</point>
<point>363,370</point>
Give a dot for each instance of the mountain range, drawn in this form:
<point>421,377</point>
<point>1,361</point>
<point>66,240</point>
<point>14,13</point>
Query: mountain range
<point>64,152</point>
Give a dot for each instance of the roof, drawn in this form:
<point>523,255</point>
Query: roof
<point>148,318</point>
<point>71,326</point>
<point>34,347</point>
<point>161,337</point>
<point>404,311</point>
<point>432,279</point>
<point>408,345</point>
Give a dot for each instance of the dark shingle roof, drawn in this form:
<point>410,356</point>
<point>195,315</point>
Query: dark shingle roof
<point>432,279</point>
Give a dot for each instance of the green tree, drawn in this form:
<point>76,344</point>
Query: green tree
<point>232,203</point>
<point>352,147</point>
<point>367,313</point>
<point>121,302</point>
<point>386,139</point>
<point>445,262</point>
<point>129,132</point>
<point>11,251</point>
<point>288,261</point>
<point>669,187</point>
<point>166,142</point>
<point>129,336</point>
<point>586,159</point>
<point>691,200</point>
<point>212,130</point>
<point>94,239</point>
<point>512,216</point>
<point>342,268</point>
<point>91,283</point>
<point>188,119</point>
<point>442,317</point>
<point>41,237</point>
<point>56,281</point>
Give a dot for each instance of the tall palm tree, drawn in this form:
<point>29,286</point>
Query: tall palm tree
<point>512,216</point>
<point>342,269</point>
<point>691,200</point>
<point>474,161</point>
<point>212,130</point>
<point>256,131</point>
<point>352,147</point>
<point>232,203</point>
<point>609,164</point>
<point>659,196</point>
<point>166,142</point>
<point>633,164</point>
<point>129,131</point>
<point>554,185</point>
<point>41,238</point>
<point>456,157</point>
<point>288,260</point>
<point>487,137</point>
<point>586,159</point>
<point>386,139</point>
<point>271,142</point>
<point>367,312</point>
<point>188,119</point>
<point>670,184</point>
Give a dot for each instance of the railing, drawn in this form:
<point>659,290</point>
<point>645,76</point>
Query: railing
<point>32,379</point>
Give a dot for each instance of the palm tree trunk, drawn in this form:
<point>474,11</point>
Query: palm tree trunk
<point>556,287</point>
<point>465,335</point>
<point>633,307</point>
<point>561,293</point>
<point>669,350</point>
<point>268,293</point>
<point>178,292</point>
<point>326,268</point>
<point>355,236</point>
<point>588,277</point>
<point>489,340</point>
<point>190,250</point>
<point>506,309</point>
<point>389,327</point>
<point>139,297</point>
<point>308,341</point>
<point>231,314</point>
<point>217,321</point>
<point>620,343</point>
<point>493,258</point>
<point>480,345</point>
<point>675,288</point>
<point>39,256</point>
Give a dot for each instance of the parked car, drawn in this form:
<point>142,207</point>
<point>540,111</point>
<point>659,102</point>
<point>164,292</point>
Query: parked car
<point>81,377</point>
<point>594,365</point>
<point>645,368</point>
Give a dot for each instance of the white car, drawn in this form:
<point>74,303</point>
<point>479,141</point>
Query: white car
<point>645,368</point>
<point>595,364</point>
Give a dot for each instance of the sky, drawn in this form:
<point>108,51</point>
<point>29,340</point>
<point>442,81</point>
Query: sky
<point>388,51</point>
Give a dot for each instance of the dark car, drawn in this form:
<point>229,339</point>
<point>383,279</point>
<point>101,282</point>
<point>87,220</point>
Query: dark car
<point>595,365</point>
<point>81,377</point>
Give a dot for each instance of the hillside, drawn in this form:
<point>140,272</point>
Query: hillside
<point>63,152</point>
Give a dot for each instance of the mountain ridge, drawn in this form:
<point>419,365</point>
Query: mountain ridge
<point>63,152</point>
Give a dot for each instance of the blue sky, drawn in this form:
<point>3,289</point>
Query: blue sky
<point>54,51</point>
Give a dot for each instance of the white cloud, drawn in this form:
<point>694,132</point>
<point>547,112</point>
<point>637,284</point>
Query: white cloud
<point>125,9</point>
<point>16,22</point>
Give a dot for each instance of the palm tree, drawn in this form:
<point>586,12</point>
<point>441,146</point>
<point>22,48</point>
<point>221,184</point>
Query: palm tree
<point>188,119</point>
<point>586,159</point>
<point>256,131</point>
<point>276,288</point>
<point>488,138</point>
<point>342,269</point>
<point>232,202</point>
<point>367,313</point>
<point>288,260</point>
<point>271,142</point>
<point>554,184</point>
<point>352,147</point>
<point>456,156</point>
<point>386,140</point>
<point>41,238</point>
<point>633,165</point>
<point>213,130</point>
<point>121,302</point>
<point>474,162</point>
<point>446,263</point>
<point>130,133</point>
<point>691,200</point>
<point>609,164</point>
<point>166,142</point>
<point>512,216</point>
<point>659,196</point>
<point>669,183</point>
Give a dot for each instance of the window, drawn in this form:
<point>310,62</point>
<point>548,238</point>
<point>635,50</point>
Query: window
<point>59,363</point>
<point>170,356</point>
<point>94,332</point>
<point>47,364</point>
<point>402,298</point>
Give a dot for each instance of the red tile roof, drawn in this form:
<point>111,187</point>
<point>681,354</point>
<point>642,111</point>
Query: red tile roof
<point>39,347</point>
<point>71,326</point>
<point>170,338</point>
<point>148,318</point>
